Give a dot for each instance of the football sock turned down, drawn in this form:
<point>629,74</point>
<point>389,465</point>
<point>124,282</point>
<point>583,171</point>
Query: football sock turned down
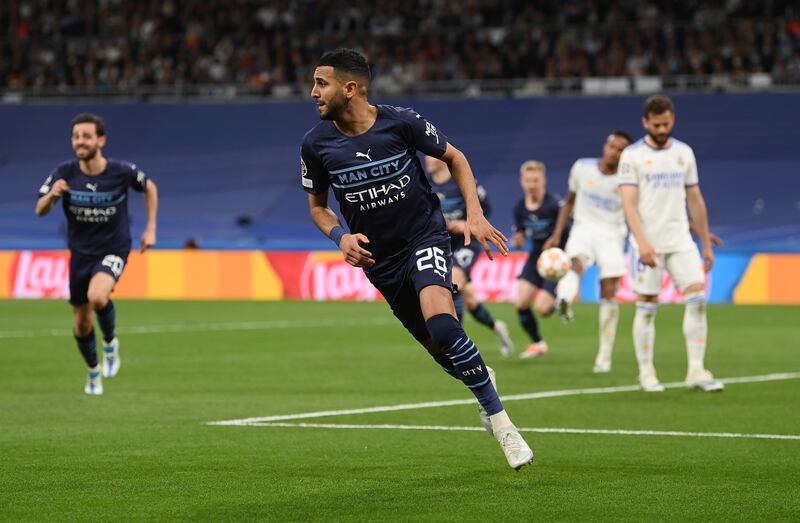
<point>107,318</point>
<point>448,334</point>
<point>695,329</point>
<point>88,347</point>
<point>528,322</point>
<point>644,335</point>
<point>483,315</point>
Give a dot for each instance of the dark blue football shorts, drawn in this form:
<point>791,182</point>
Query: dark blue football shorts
<point>530,274</point>
<point>429,263</point>
<point>82,267</point>
<point>464,257</point>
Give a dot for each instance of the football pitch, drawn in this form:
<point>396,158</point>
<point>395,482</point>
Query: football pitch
<point>295,411</point>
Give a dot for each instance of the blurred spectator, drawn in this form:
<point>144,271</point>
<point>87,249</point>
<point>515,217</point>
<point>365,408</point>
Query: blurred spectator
<point>271,47</point>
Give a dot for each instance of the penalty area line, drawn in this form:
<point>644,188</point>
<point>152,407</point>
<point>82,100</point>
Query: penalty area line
<point>604,432</point>
<point>513,397</point>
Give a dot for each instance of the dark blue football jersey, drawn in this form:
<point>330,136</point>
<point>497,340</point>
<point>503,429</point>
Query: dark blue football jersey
<point>378,180</point>
<point>538,225</point>
<point>453,205</point>
<point>97,206</point>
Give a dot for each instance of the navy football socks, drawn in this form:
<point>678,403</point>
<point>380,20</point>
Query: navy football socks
<point>88,347</point>
<point>528,322</point>
<point>107,318</point>
<point>483,315</point>
<point>448,334</point>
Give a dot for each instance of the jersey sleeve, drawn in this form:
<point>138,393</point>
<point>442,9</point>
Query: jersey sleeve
<point>137,179</point>
<point>57,174</point>
<point>314,177</point>
<point>626,173</point>
<point>424,136</point>
<point>691,170</point>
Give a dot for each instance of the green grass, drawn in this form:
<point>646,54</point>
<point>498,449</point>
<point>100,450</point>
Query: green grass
<point>143,451</point>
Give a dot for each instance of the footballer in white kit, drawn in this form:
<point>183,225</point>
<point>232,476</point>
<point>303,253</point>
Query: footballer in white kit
<point>597,236</point>
<point>658,181</point>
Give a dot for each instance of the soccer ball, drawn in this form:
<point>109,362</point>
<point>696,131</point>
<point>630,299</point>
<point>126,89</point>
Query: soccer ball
<point>553,263</point>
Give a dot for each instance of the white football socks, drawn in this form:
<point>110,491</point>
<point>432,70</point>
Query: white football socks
<point>644,336</point>
<point>500,421</point>
<point>568,286</point>
<point>609,315</point>
<point>695,329</point>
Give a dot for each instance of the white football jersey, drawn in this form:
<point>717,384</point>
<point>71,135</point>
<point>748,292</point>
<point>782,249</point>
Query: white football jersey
<point>598,204</point>
<point>662,176</point>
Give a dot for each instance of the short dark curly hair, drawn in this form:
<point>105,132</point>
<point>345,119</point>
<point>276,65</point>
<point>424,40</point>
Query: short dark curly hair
<point>347,61</point>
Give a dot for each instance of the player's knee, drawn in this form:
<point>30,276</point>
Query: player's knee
<point>83,326</point>
<point>543,309</point>
<point>445,331</point>
<point>97,299</point>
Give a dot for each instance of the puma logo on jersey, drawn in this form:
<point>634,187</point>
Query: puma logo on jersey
<point>364,155</point>
<point>92,187</point>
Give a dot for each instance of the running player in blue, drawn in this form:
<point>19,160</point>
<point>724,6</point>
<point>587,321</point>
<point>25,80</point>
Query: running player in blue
<point>454,209</point>
<point>367,154</point>
<point>95,201</point>
<point>535,217</point>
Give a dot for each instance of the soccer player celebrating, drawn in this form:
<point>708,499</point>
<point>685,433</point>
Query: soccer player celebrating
<point>397,234</point>
<point>597,235</point>
<point>95,200</point>
<point>658,181</point>
<point>535,217</point>
<point>454,209</point>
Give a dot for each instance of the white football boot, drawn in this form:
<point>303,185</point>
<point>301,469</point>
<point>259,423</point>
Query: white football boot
<point>601,367</point>
<point>94,382</point>
<point>111,360</point>
<point>506,345</point>
<point>565,310</point>
<point>704,381</point>
<point>650,383</point>
<point>518,453</point>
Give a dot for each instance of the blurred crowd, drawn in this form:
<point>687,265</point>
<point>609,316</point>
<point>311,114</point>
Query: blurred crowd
<point>272,46</point>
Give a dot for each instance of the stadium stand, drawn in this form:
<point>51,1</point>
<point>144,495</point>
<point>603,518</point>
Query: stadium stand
<point>268,48</point>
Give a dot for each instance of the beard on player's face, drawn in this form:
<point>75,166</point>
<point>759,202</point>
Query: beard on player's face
<point>659,138</point>
<point>85,152</point>
<point>333,108</point>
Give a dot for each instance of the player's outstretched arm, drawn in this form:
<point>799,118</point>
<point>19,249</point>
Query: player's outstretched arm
<point>477,225</point>
<point>698,218</point>
<point>561,222</point>
<point>45,203</point>
<point>327,222</point>
<point>148,238</point>
<point>630,200</point>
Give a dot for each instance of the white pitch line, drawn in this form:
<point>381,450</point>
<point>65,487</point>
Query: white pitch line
<point>212,327</point>
<point>609,432</point>
<point>513,397</point>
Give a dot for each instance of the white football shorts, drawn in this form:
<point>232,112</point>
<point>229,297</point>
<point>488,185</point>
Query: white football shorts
<point>605,248</point>
<point>685,267</point>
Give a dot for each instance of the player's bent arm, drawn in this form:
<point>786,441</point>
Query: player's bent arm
<point>45,204</point>
<point>476,224</point>
<point>148,238</point>
<point>561,222</point>
<point>698,215</point>
<point>322,215</point>
<point>462,174</point>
